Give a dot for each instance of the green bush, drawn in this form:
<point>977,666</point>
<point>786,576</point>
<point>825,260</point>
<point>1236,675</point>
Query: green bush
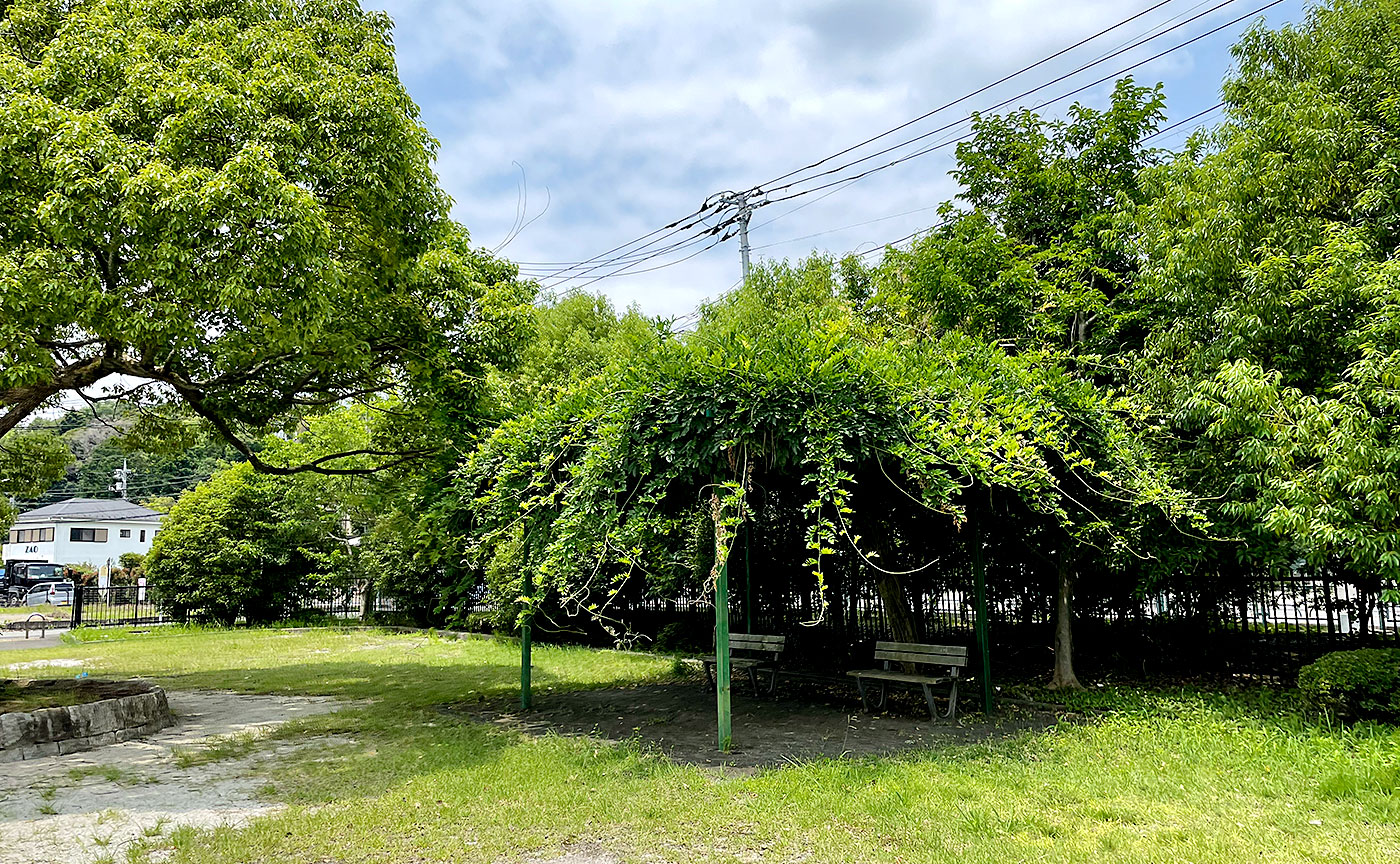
<point>242,545</point>
<point>1363,684</point>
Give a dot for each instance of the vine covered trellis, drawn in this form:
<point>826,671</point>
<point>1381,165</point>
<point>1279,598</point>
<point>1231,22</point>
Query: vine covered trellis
<point>635,474</point>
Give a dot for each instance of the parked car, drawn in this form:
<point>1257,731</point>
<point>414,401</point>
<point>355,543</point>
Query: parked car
<point>21,576</point>
<point>52,593</point>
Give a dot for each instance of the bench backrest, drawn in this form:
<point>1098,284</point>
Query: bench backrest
<point>757,643</point>
<point>954,656</point>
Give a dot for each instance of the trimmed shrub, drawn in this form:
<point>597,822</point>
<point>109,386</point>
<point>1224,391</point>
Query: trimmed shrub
<point>1362,684</point>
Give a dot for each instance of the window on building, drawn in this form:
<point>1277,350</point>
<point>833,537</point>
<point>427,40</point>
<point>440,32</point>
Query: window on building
<point>87,535</point>
<point>143,535</point>
<point>31,535</point>
<point>124,533</point>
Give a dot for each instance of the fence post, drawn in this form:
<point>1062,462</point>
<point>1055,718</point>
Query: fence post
<point>984,647</point>
<point>528,590</point>
<point>77,603</point>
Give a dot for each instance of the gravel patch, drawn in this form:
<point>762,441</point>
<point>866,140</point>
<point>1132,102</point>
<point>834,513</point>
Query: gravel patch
<point>90,806</point>
<point>58,663</point>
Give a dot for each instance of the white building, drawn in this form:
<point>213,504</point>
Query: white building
<point>82,531</point>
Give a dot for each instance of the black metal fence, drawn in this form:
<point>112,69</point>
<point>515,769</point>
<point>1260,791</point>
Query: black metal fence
<point>132,605</point>
<point>116,605</point>
<point>1283,624</point>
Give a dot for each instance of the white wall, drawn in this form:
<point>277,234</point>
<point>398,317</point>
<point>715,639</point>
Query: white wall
<point>65,551</point>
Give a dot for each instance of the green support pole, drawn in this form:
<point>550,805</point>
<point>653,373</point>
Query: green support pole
<point>722,655</point>
<point>979,572</point>
<point>528,590</point>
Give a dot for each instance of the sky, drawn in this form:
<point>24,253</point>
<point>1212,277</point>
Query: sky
<point>625,116</point>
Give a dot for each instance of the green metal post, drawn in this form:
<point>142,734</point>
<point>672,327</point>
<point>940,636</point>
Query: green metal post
<point>722,655</point>
<point>979,572</point>
<point>528,590</point>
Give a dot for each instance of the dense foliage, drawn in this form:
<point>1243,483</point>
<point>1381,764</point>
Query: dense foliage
<point>29,463</point>
<point>1355,684</point>
<point>232,205</point>
<point>1270,285</point>
<point>238,546</point>
<point>782,383</point>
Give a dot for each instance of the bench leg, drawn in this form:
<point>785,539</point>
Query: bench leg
<point>865,700</point>
<point>772,680</point>
<point>928,697</point>
<point>753,679</point>
<point>953,700</point>
<point>709,674</point>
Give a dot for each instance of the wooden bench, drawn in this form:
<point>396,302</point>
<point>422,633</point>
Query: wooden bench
<point>759,653</point>
<point>951,658</point>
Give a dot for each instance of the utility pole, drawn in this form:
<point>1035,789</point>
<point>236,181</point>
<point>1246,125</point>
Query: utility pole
<point>121,474</point>
<point>744,204</point>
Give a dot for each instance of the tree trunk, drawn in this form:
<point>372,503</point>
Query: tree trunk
<point>367,602</point>
<point>898,612</point>
<point>1064,678</point>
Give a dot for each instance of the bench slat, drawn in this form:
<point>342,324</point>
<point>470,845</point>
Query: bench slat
<point>921,648</point>
<point>905,677</point>
<point>740,662</point>
<point>754,639</point>
<point>930,659</point>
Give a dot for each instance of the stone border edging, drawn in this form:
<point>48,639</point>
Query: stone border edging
<point>70,728</point>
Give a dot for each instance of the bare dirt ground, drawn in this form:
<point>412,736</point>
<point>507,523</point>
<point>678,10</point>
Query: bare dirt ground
<point>804,722</point>
<point>91,806</point>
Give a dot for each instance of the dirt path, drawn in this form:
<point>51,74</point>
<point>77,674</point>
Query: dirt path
<point>803,723</point>
<point>91,806</point>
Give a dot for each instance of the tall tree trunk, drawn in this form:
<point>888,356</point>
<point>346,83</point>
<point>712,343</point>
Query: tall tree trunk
<point>893,597</point>
<point>897,609</point>
<point>1064,677</point>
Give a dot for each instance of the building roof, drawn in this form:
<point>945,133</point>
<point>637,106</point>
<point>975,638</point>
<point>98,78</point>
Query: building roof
<point>90,510</point>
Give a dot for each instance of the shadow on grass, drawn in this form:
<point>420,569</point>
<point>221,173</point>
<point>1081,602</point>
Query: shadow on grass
<point>407,685</point>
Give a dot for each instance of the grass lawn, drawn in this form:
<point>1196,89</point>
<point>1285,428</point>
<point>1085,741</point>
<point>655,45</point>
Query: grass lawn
<point>1170,777</point>
<point>20,613</point>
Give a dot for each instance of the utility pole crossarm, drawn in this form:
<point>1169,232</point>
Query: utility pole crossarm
<point>743,204</point>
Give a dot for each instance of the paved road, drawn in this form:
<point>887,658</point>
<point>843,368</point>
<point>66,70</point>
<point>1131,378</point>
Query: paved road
<point>15,639</point>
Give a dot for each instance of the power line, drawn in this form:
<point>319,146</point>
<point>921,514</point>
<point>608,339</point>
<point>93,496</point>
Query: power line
<point>848,227</point>
<point>1061,97</point>
<point>1160,132</point>
<point>974,93</point>
<point>1198,115</point>
<point>685,223</point>
<point>560,271</point>
<point>628,262</point>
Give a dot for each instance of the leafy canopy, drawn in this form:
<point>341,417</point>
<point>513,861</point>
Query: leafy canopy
<point>1271,278</point>
<point>782,377</point>
<point>232,204</point>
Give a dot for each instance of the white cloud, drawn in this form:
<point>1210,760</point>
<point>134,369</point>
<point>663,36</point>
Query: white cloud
<point>632,113</point>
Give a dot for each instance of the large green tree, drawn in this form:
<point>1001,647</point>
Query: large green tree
<point>29,463</point>
<point>241,544</point>
<point>1032,261</point>
<point>231,206</point>
<point>1271,284</point>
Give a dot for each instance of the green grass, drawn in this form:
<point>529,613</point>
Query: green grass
<point>221,747</point>
<point>20,613</point>
<point>1150,777</point>
<point>15,697</point>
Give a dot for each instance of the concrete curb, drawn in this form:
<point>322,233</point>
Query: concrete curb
<point>131,709</point>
